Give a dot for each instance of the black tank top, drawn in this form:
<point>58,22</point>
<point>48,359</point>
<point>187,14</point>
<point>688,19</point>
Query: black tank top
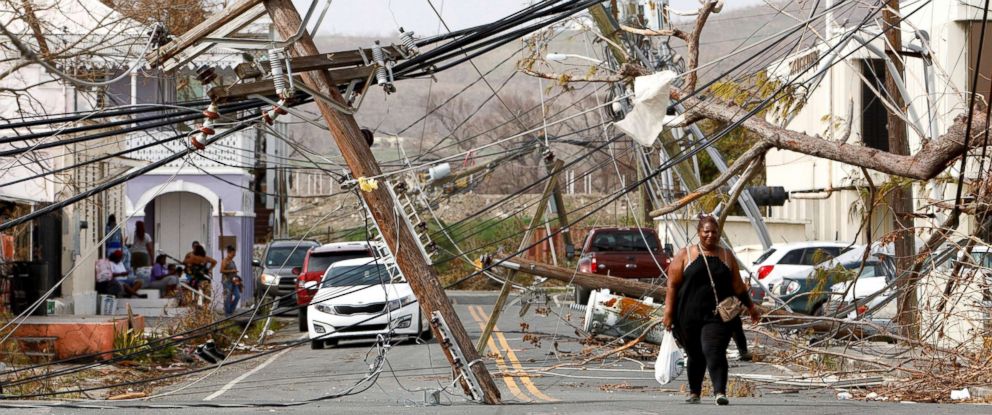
<point>695,297</point>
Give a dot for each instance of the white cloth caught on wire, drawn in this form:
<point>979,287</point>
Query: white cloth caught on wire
<point>648,118</point>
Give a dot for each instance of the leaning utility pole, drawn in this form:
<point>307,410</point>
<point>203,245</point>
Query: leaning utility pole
<point>357,154</point>
<point>901,196</point>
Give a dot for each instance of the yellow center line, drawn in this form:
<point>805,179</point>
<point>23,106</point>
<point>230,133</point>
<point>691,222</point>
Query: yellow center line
<point>510,383</point>
<point>516,363</point>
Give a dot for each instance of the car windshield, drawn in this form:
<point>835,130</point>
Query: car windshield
<point>286,256</point>
<point>322,261</point>
<point>354,275</point>
<point>631,240</point>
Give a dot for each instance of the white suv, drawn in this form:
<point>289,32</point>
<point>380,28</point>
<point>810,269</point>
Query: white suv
<point>785,259</point>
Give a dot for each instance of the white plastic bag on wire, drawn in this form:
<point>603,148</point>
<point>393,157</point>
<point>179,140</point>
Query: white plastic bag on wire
<point>670,361</point>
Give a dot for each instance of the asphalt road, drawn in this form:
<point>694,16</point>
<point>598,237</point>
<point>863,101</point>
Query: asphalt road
<point>299,373</point>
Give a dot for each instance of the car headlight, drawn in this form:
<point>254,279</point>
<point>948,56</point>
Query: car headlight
<point>791,288</point>
<point>402,323</point>
<point>325,308</point>
<point>399,303</point>
<point>268,279</point>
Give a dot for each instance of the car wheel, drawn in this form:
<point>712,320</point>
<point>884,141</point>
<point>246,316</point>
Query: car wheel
<point>582,295</point>
<point>426,335</point>
<point>316,344</point>
<point>302,319</point>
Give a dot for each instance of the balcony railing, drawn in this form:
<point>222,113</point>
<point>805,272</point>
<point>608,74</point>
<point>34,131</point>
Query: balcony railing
<point>235,150</point>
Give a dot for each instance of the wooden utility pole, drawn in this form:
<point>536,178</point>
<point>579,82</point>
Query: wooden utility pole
<point>627,286</point>
<point>901,197</point>
<point>357,154</point>
<point>535,222</point>
<point>559,200</point>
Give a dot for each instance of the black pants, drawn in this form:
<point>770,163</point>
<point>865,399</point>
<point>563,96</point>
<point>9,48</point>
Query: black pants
<point>739,338</point>
<point>706,346</point>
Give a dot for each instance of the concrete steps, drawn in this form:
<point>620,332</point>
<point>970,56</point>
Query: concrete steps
<point>153,306</point>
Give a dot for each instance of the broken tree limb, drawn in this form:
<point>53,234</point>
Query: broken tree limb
<point>932,159</point>
<point>629,287</point>
<point>632,343</point>
<point>755,152</point>
<point>648,32</point>
<point>738,188</point>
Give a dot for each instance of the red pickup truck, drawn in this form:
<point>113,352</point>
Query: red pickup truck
<point>316,263</point>
<point>623,253</point>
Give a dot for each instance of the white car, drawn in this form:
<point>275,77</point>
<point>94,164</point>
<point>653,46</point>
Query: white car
<point>356,299</point>
<point>791,258</point>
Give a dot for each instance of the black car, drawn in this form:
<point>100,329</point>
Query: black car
<point>274,271</point>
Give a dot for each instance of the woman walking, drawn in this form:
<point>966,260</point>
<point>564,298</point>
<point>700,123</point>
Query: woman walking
<point>232,283</point>
<point>699,278</point>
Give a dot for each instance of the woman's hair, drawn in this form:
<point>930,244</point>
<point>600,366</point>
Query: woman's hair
<point>160,258</point>
<point>706,218</point>
<point>139,230</point>
<point>230,248</point>
<point>199,251</point>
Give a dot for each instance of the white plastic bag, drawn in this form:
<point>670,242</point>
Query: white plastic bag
<point>670,361</point>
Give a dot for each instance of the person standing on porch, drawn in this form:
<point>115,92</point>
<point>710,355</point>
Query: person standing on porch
<point>114,241</point>
<point>231,280</point>
<point>142,247</point>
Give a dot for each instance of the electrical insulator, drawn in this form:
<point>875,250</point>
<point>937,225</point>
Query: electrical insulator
<point>205,74</point>
<point>381,77</point>
<point>211,112</point>
<point>207,127</point>
<point>411,46</point>
<point>276,59</point>
<point>270,116</point>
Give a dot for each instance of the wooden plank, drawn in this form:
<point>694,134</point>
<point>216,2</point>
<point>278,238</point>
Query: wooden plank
<point>221,94</point>
<point>202,30</point>
<point>232,26</point>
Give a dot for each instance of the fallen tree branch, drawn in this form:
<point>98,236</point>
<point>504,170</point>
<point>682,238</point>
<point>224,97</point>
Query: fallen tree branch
<point>932,159</point>
<point>626,346</point>
<point>649,32</point>
<point>755,152</point>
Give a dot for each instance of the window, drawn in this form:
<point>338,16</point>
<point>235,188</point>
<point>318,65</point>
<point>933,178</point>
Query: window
<point>625,241</point>
<point>793,257</point>
<point>974,36</point>
<point>814,256</point>
<point>356,275</point>
<point>320,262</point>
<point>764,256</point>
<point>874,116</point>
<point>291,256</point>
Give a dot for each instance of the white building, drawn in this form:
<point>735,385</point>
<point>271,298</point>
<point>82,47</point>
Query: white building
<point>208,197</point>
<point>823,191</point>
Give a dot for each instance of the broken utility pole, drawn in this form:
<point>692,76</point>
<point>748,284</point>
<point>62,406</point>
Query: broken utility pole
<point>357,154</point>
<point>901,196</point>
<point>535,222</point>
<point>629,287</point>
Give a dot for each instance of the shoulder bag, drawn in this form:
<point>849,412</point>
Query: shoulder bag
<point>730,307</point>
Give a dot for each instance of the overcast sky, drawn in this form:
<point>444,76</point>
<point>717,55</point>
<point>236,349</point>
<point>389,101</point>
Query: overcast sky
<point>383,17</point>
